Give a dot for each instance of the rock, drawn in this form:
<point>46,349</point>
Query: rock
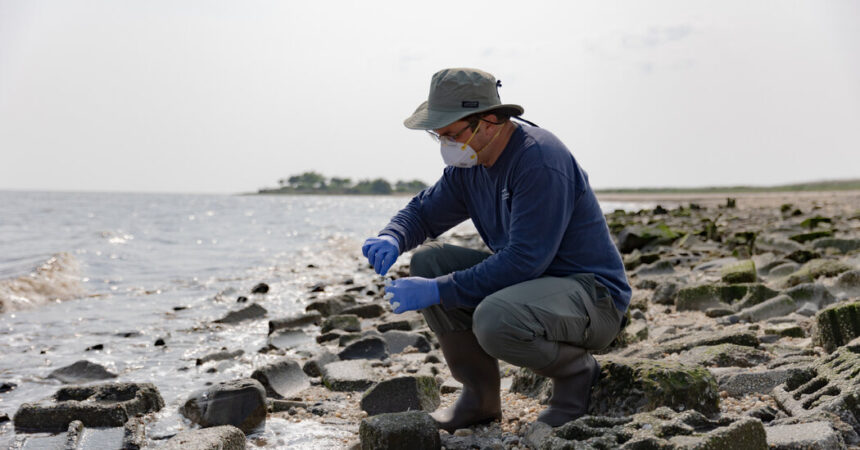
<point>803,256</point>
<point>719,312</point>
<point>812,436</point>
<point>714,338</point>
<point>311,318</point>
<point>847,284</point>
<point>260,288</point>
<point>786,330</point>
<point>659,429</point>
<point>726,355</point>
<point>346,338</point>
<point>837,325</point>
<point>841,245</point>
<point>220,356</point>
<point>637,236</point>
<point>6,387</point>
<point>345,322</point>
<point>285,405</point>
<point>252,311</point>
<point>811,236</point>
<point>776,244</point>
<point>784,269</point>
<point>739,383</point>
<point>413,430</point>
<point>331,306</point>
<point>331,336</point>
<point>354,375</point>
<point>368,311</point>
<point>159,342</point>
<point>367,348</point>
<point>402,394</point>
<point>313,368</point>
<point>633,385</point>
<point>778,306</point>
<point>223,437</point>
<point>811,293</point>
<point>740,272</point>
<point>451,385</point>
<point>241,403</point>
<point>657,268</point>
<point>530,384</point>
<point>398,340</point>
<point>829,385</point>
<point>282,379</point>
<point>95,347</point>
<point>286,339</point>
<point>81,372</point>
<point>665,293</point>
<point>104,405</point>
<point>765,413</point>
<point>814,269</point>
<point>636,331</point>
<point>402,325</point>
<point>703,296</point>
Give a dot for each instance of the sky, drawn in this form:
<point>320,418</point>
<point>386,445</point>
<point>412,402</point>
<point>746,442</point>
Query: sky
<point>230,96</point>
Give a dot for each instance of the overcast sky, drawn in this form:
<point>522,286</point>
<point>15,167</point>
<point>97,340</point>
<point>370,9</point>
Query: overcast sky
<point>230,96</point>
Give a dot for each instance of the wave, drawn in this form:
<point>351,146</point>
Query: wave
<point>56,279</point>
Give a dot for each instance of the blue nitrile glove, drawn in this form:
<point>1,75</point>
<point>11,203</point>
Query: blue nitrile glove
<point>412,294</point>
<point>381,252</point>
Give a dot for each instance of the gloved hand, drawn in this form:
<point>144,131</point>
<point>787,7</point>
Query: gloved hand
<point>381,252</point>
<point>412,294</point>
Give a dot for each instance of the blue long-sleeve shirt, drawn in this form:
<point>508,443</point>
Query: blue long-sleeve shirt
<point>534,208</point>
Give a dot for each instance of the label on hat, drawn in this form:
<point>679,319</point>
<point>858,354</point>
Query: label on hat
<point>470,104</point>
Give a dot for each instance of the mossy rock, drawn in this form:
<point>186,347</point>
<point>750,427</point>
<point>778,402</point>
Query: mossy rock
<point>413,430</point>
<point>837,325</point>
<point>841,245</point>
<point>811,236</point>
<point>704,296</point>
<point>740,272</point>
<point>813,222</point>
<point>638,236</point>
<point>345,322</point>
<point>634,385</point>
<point>814,269</point>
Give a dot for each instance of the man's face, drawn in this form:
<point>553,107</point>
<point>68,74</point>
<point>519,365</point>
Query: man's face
<point>459,131</point>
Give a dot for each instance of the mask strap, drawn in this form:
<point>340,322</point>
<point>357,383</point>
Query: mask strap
<point>491,141</point>
<point>466,144</point>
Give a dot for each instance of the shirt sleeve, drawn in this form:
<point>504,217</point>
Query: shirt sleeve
<point>541,207</point>
<point>432,212</point>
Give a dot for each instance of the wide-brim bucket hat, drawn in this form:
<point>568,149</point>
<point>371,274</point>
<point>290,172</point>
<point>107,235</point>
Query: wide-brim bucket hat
<point>455,94</point>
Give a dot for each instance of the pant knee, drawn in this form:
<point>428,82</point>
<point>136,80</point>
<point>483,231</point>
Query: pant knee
<point>492,333</point>
<point>423,262</point>
<point>504,337</point>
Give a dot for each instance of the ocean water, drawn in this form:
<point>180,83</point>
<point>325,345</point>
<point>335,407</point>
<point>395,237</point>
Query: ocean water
<point>82,269</point>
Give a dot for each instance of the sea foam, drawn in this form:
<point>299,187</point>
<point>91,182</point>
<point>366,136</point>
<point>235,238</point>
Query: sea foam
<point>56,279</point>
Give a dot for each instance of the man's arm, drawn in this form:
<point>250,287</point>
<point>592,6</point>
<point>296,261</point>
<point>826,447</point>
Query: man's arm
<point>429,214</point>
<point>542,204</point>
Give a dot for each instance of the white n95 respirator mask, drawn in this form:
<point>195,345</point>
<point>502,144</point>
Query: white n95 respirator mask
<point>457,154</point>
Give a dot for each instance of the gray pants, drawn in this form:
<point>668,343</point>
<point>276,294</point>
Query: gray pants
<point>524,323</point>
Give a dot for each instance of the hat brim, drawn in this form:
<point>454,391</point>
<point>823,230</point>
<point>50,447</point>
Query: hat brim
<point>425,118</point>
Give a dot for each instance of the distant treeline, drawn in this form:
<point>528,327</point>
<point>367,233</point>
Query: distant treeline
<point>315,183</point>
<point>830,185</point>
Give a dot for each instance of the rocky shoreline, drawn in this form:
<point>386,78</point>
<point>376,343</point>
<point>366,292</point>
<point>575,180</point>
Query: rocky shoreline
<point>744,331</point>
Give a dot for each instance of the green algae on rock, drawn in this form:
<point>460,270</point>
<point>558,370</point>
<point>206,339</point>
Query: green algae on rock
<point>837,325</point>
<point>740,272</point>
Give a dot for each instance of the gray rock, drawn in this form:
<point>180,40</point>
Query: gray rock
<point>105,405</point>
<point>656,268</point>
<point>777,244</point>
<point>784,269</point>
<point>223,437</point>
<point>354,375</point>
<point>828,385</point>
<point>665,293</point>
<point>402,325</point>
<point>402,394</point>
<point>368,348</point>
<point>807,436</point>
<point>332,306</point>
<point>837,325</point>
<point>250,312</point>
<point>81,372</point>
<point>847,284</point>
<point>313,368</point>
<point>345,322</point>
<point>812,293</point>
<point>778,306</point>
<point>704,338</point>
<point>398,340</point>
<point>368,311</point>
<point>739,383</point>
<point>658,429</point>
<point>288,338</point>
<point>310,318</point>
<point>841,245</point>
<point>740,272</point>
<point>219,356</point>
<point>283,378</point>
<point>241,403</point>
<point>726,355</point>
<point>413,430</point>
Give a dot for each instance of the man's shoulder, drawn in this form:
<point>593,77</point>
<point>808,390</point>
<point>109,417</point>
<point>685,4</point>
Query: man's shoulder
<point>541,147</point>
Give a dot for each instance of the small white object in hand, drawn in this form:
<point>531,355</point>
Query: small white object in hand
<point>388,296</point>
<point>395,305</point>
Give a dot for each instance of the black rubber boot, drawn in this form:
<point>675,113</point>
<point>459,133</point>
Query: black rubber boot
<point>480,400</point>
<point>574,372</point>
